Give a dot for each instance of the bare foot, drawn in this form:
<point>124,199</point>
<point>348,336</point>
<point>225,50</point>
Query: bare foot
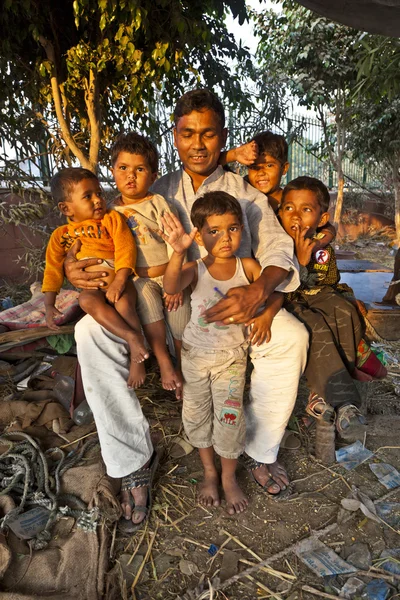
<point>140,499</point>
<point>171,379</point>
<point>137,375</point>
<point>236,501</point>
<point>278,474</point>
<point>137,347</point>
<point>208,490</point>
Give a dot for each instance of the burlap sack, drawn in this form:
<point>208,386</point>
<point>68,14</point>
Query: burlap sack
<point>74,563</point>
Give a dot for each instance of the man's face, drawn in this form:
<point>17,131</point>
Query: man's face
<point>199,139</point>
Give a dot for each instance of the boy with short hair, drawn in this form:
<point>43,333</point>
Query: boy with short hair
<point>103,234</point>
<point>337,348</point>
<point>214,355</point>
<point>134,162</point>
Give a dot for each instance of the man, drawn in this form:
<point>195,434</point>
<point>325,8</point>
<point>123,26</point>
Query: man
<point>199,137</point>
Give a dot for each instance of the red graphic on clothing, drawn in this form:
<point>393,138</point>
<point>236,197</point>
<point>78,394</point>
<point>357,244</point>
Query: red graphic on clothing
<point>322,256</point>
<point>229,418</point>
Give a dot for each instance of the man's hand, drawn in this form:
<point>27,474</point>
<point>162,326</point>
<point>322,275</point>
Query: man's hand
<point>304,245</point>
<point>52,313</point>
<point>75,270</point>
<point>240,306</point>
<point>175,235</point>
<point>173,301</point>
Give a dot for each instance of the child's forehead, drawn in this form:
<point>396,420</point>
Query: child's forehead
<point>265,157</point>
<point>77,189</point>
<point>215,219</point>
<point>126,157</point>
<point>301,197</point>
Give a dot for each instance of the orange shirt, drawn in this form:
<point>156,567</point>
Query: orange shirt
<point>107,238</point>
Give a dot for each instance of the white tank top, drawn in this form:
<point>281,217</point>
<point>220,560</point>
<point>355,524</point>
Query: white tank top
<point>217,335</point>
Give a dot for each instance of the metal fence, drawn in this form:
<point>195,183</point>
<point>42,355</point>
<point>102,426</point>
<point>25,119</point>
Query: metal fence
<point>304,152</point>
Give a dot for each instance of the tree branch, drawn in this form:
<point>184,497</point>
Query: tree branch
<point>66,133</point>
<point>93,109</point>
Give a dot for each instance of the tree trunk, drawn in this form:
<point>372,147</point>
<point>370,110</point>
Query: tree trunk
<point>393,290</point>
<point>339,200</point>
<point>396,189</point>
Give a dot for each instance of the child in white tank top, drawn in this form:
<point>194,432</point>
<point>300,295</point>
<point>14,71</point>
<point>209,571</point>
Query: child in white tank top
<point>214,355</point>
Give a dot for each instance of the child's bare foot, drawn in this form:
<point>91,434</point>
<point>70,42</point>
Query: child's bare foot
<point>208,490</point>
<point>137,348</point>
<point>171,379</point>
<point>236,501</point>
<point>137,375</point>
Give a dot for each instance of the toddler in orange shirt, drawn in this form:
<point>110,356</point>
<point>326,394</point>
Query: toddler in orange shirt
<point>102,234</point>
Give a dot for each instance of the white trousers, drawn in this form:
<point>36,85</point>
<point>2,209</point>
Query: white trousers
<point>278,366</point>
<point>124,431</point>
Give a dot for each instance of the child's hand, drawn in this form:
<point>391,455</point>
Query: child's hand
<point>246,154</point>
<point>116,289</point>
<point>52,313</point>
<point>260,330</point>
<point>304,246</point>
<point>174,234</point>
<point>173,301</point>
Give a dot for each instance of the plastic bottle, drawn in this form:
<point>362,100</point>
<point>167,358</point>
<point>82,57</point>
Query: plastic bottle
<point>63,389</point>
<point>82,415</point>
<point>325,441</point>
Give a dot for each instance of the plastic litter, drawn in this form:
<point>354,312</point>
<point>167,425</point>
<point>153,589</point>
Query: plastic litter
<point>7,303</point>
<point>352,456</point>
<point>321,559</point>
<point>387,475</point>
<point>389,512</point>
<point>28,524</point>
<point>392,562</point>
<point>351,588</point>
<point>377,589</point>
<point>213,549</point>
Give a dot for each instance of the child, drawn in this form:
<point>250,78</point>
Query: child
<point>103,234</point>
<point>214,355</point>
<point>336,332</point>
<point>134,162</point>
<point>266,173</point>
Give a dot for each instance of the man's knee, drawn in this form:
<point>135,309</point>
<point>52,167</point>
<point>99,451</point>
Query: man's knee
<point>289,331</point>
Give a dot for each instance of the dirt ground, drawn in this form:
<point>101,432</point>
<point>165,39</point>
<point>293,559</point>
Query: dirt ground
<point>174,547</point>
<point>171,556</point>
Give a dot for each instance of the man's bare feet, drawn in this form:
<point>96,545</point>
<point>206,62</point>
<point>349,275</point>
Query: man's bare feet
<point>140,499</point>
<point>171,379</point>
<point>137,375</point>
<point>208,490</point>
<point>274,471</point>
<point>236,501</point>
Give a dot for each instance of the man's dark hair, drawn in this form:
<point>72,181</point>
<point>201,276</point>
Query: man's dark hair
<point>214,203</point>
<point>134,143</point>
<point>273,144</point>
<point>63,182</point>
<point>312,184</point>
<point>199,100</point>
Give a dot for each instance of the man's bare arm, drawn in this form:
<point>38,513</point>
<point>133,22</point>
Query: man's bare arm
<point>243,302</point>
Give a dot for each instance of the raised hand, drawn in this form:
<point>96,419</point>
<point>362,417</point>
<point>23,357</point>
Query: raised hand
<point>174,234</point>
<point>304,245</point>
<point>246,154</point>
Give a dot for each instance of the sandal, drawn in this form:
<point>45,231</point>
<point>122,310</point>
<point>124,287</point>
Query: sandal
<point>250,464</point>
<point>290,441</point>
<point>319,409</point>
<point>140,478</point>
<point>181,447</point>
<point>350,421</point>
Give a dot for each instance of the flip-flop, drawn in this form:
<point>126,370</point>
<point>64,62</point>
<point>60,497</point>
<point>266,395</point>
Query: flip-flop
<point>251,465</point>
<point>181,447</point>
<point>140,478</point>
<point>290,441</point>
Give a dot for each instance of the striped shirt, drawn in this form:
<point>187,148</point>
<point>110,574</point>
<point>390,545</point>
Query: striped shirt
<point>262,234</point>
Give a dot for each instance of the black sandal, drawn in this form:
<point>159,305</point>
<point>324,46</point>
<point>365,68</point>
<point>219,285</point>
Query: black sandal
<point>251,464</point>
<point>140,478</point>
